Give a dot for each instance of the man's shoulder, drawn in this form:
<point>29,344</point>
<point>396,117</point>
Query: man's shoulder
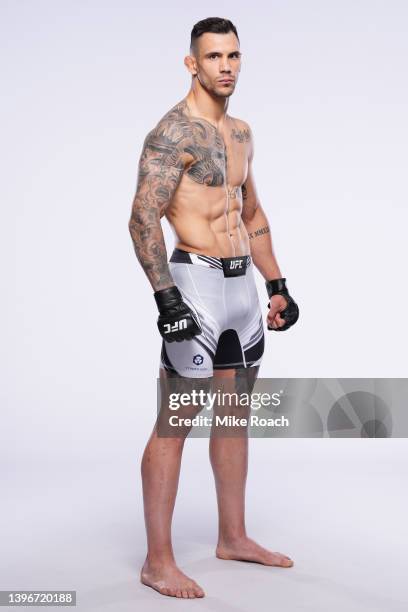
<point>240,122</point>
<point>241,130</point>
<point>174,126</point>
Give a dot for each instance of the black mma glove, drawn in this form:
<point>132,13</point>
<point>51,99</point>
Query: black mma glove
<point>176,321</point>
<point>291,312</point>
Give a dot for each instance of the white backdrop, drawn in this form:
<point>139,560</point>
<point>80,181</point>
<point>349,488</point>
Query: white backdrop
<point>323,88</point>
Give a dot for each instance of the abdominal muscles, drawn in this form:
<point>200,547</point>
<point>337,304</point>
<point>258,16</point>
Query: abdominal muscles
<point>205,220</point>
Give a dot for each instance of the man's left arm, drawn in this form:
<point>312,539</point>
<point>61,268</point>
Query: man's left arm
<point>257,226</point>
<point>283,311</point>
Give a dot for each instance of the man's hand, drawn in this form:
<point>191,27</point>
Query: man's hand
<point>276,305</point>
<point>283,310</point>
<point>176,321</point>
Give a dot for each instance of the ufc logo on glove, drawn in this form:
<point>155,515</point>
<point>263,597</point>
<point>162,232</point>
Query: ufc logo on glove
<point>176,326</point>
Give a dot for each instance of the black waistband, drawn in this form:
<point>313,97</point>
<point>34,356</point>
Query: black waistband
<point>231,266</point>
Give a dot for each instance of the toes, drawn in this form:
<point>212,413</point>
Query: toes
<point>197,590</point>
<point>184,590</point>
<point>287,561</point>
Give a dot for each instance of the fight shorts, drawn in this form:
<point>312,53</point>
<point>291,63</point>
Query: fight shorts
<point>222,293</point>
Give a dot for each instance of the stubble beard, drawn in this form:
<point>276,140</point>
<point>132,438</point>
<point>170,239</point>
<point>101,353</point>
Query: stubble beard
<point>214,91</point>
<point>222,94</point>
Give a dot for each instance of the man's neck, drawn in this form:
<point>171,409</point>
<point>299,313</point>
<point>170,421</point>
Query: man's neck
<point>202,104</point>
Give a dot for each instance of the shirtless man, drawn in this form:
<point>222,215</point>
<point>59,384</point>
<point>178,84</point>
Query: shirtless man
<point>195,169</point>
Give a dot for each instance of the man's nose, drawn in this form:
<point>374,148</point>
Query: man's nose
<point>225,65</point>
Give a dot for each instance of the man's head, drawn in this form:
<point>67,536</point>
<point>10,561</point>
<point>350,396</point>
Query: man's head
<point>215,58</point>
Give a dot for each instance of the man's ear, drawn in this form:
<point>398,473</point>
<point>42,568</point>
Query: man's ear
<point>191,64</point>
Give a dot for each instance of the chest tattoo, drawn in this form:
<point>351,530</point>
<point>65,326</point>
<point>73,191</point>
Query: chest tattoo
<point>209,160</point>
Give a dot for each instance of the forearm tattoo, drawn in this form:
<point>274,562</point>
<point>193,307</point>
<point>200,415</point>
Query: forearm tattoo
<point>258,232</point>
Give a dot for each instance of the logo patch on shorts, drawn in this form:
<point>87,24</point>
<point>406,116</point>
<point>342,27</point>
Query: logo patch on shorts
<point>198,359</point>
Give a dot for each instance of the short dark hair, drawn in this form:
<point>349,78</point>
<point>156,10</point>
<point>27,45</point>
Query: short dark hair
<point>211,24</point>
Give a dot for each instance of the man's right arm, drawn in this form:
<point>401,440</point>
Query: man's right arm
<point>160,169</point>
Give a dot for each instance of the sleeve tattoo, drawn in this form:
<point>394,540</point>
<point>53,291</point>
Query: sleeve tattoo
<point>160,171</point>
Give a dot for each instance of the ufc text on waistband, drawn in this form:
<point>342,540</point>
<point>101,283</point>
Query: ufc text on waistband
<point>231,266</point>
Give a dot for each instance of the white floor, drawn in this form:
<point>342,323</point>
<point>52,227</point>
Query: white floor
<point>337,507</point>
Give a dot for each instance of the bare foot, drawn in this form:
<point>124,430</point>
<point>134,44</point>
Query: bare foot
<point>169,580</point>
<point>245,549</point>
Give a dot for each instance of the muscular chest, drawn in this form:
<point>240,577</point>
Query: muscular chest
<point>217,159</point>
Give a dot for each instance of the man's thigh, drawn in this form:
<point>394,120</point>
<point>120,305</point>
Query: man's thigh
<point>241,378</point>
<point>232,387</point>
<point>180,399</point>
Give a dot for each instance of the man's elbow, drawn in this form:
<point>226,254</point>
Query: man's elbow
<point>249,211</point>
<point>132,224</point>
<point>135,215</point>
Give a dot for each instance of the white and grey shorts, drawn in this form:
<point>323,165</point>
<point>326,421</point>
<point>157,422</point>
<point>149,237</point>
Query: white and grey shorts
<point>222,293</point>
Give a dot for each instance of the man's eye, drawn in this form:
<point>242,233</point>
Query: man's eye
<point>214,56</point>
